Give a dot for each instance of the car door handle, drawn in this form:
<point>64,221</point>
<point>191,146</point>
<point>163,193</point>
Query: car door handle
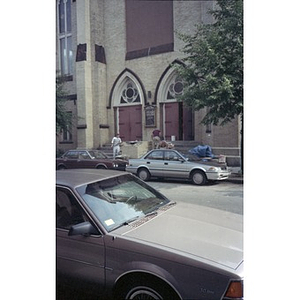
<point>148,162</point>
<point>166,163</point>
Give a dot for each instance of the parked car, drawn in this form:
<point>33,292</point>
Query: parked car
<point>75,159</point>
<point>125,240</point>
<point>169,163</point>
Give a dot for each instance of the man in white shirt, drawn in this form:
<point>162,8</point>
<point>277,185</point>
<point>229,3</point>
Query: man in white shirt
<point>115,144</point>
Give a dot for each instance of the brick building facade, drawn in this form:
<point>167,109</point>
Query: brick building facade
<point>118,56</point>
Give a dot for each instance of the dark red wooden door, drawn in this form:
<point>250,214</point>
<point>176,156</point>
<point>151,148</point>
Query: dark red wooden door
<point>187,124</point>
<point>171,120</point>
<point>130,123</point>
<point>178,122</point>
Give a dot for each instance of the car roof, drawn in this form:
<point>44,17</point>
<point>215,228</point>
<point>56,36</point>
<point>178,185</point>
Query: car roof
<point>76,177</point>
<point>164,149</point>
<point>83,149</point>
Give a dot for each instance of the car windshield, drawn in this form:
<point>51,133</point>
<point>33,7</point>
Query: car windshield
<point>119,200</point>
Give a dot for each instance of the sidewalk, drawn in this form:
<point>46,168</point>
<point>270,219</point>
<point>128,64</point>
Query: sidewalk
<point>236,176</point>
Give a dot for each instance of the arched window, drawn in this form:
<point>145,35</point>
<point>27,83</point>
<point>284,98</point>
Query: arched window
<point>170,86</point>
<point>175,88</point>
<point>127,90</point>
<point>130,93</point>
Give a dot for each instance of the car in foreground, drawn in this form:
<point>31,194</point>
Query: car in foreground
<point>122,239</point>
<point>169,163</point>
<point>77,159</point>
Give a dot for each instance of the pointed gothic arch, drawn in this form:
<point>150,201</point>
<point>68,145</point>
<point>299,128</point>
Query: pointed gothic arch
<point>175,119</point>
<point>127,98</point>
<point>120,83</point>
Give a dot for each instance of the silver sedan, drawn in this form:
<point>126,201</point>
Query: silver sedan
<point>168,163</point>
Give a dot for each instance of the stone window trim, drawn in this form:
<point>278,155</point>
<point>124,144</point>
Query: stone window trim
<point>118,87</point>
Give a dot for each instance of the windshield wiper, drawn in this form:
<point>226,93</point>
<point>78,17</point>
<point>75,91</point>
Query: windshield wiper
<point>125,223</point>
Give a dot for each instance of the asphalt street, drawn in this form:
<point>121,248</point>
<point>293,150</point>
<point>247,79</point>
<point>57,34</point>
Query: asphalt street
<point>224,195</point>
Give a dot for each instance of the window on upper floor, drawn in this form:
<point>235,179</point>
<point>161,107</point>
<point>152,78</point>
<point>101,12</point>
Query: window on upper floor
<point>65,37</point>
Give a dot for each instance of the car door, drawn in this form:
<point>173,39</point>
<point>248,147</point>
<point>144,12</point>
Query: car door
<point>78,257</point>
<point>155,163</point>
<point>70,159</point>
<point>174,165</point>
<point>85,160</point>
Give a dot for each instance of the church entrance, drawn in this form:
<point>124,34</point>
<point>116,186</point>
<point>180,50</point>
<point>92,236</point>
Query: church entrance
<point>130,123</point>
<point>177,121</point>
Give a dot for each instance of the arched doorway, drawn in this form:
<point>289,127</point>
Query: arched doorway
<point>176,120</point>
<point>127,102</point>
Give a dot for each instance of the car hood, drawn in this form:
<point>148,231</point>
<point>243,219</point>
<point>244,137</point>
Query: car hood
<point>195,230</point>
<point>120,160</point>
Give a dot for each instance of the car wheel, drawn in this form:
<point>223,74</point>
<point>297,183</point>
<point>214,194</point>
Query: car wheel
<point>101,167</point>
<point>198,177</point>
<point>150,289</point>
<point>61,167</point>
<point>143,174</point>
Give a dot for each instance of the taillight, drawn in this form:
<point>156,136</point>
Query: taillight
<point>235,290</point>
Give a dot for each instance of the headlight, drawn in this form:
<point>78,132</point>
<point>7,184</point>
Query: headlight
<point>213,169</point>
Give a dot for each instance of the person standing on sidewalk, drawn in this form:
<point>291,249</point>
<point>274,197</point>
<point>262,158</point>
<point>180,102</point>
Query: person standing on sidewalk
<point>115,144</point>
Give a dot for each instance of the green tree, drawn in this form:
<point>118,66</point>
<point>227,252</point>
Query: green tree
<point>63,118</point>
<point>213,69</point>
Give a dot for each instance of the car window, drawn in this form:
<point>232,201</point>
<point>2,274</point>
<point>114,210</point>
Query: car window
<point>68,211</point>
<point>72,155</point>
<point>97,154</point>
<point>159,155</point>
<point>83,155</point>
<point>171,155</point>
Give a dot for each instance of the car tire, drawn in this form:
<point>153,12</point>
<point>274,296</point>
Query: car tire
<point>143,174</point>
<point>145,288</point>
<point>101,167</point>
<point>198,177</point>
<point>61,167</point>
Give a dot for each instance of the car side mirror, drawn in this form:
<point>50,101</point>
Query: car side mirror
<point>85,228</point>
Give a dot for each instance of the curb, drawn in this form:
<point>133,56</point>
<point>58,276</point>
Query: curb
<point>236,178</point>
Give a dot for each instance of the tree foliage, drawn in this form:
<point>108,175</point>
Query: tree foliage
<point>63,118</point>
<point>213,70</point>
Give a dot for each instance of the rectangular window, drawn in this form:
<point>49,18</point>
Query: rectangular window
<point>66,135</point>
<point>65,37</point>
